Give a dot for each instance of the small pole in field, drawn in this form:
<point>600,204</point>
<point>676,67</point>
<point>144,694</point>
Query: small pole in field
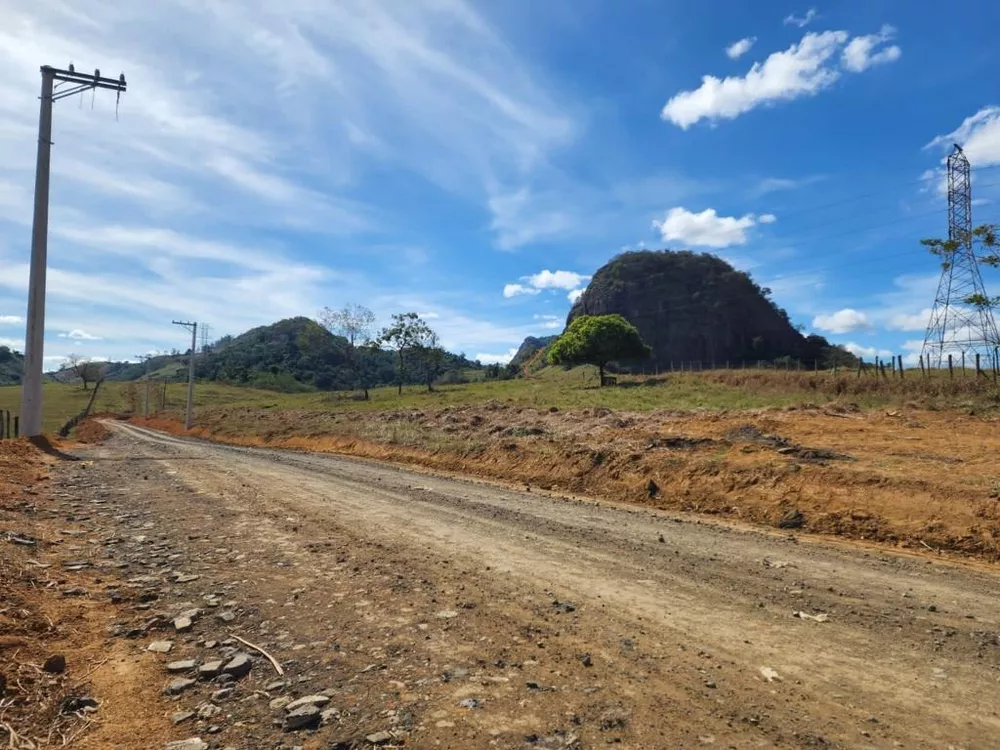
<point>193,327</point>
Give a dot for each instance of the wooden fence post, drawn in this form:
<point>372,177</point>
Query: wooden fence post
<point>963,363</point>
<point>951,368</point>
<point>892,364</point>
<point>17,425</point>
<point>978,371</point>
<point>923,372</point>
<point>901,376</point>
<point>861,365</point>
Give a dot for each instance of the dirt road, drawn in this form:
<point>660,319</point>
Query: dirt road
<point>485,617</point>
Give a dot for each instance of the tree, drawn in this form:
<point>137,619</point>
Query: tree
<point>431,358</point>
<point>405,334</point>
<point>84,369</point>
<point>598,340</point>
<point>985,247</point>
<point>356,324</point>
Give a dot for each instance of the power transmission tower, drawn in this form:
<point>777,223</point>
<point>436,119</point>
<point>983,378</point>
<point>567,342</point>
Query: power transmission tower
<point>205,328</point>
<point>955,324</point>
<point>144,358</point>
<point>34,338</point>
<point>190,394</point>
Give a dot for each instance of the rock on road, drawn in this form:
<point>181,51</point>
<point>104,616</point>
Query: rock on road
<point>585,622</point>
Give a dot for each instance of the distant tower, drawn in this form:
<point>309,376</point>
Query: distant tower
<point>955,326</point>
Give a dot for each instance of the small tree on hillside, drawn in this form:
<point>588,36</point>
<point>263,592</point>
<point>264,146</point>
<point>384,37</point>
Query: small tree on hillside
<point>355,323</point>
<point>598,340</point>
<point>431,358</point>
<point>403,336</point>
<point>84,369</point>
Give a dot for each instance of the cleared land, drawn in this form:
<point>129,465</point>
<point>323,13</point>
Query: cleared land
<point>909,463</point>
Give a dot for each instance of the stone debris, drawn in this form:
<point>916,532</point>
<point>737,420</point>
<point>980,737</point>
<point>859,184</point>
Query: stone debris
<point>192,743</point>
<point>379,738</point>
<point>183,624</point>
<point>179,717</point>
<point>239,666</point>
<point>55,664</point>
<point>160,647</point>
<point>304,717</point>
<point>309,700</point>
<point>210,669</point>
<point>184,665</point>
<point>178,686</point>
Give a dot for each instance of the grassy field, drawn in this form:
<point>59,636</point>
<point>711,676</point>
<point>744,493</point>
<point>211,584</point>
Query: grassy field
<point>564,390</point>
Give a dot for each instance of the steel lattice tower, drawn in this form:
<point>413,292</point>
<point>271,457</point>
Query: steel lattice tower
<point>956,326</point>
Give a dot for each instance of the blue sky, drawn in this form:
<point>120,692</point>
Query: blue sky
<point>476,161</point>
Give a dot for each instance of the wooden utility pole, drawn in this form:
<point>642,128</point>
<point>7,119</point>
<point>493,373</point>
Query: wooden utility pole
<point>190,389</point>
<point>34,338</point>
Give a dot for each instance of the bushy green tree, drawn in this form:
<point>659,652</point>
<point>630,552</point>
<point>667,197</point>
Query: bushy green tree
<point>404,336</point>
<point>598,340</point>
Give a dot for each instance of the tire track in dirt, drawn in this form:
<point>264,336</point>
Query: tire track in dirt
<point>912,643</point>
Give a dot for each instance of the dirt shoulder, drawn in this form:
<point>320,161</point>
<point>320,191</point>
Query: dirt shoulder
<point>63,680</point>
<point>910,478</point>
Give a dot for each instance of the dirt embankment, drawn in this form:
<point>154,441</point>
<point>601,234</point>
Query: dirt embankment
<point>62,680</point>
<point>912,478</point>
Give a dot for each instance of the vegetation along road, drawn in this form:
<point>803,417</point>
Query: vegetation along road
<point>487,617</point>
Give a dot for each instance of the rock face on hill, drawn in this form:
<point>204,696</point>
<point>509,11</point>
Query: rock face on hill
<point>694,307</point>
<point>528,348</point>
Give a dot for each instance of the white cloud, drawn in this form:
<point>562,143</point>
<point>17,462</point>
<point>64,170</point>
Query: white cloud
<point>550,321</point>
<point>909,321</point>
<point>804,69</point>
<point>868,352</point>
<point>497,359</point>
<point>774,184</point>
<point>979,136</point>
<point>17,344</point>
<point>546,280</point>
<point>707,229</point>
<point>556,279</point>
<point>78,334</point>
<point>739,48</point>
<point>842,321</point>
<point>11,320</point>
<point>574,295</point>
<point>860,53</point>
<point>513,290</point>
<point>792,20</point>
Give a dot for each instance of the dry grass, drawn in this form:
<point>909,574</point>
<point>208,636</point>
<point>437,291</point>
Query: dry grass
<point>899,476</point>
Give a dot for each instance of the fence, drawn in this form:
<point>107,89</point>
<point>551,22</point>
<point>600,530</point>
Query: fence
<point>884,367</point>
<point>9,425</point>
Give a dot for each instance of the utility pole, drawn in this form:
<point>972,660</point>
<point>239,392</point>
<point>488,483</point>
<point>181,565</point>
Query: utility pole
<point>144,358</point>
<point>194,342</point>
<point>34,338</point>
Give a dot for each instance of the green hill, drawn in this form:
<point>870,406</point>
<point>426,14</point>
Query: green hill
<point>11,366</point>
<point>299,354</point>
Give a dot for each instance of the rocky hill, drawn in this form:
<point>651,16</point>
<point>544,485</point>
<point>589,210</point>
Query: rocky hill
<point>692,307</point>
<point>528,348</point>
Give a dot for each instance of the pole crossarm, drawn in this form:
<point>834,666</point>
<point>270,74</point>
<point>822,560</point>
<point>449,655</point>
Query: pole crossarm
<point>82,82</point>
